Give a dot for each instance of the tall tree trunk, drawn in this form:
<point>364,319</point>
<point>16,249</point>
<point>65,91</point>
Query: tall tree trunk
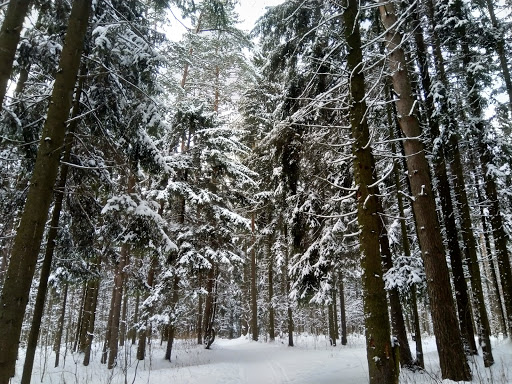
<point>145,333</point>
<point>271,315</point>
<point>23,259</point>
<point>397,316</point>
<point>335,311</point>
<point>209,332</point>
<point>444,191</point>
<point>9,38</point>
<point>254,293</point>
<point>450,348</point>
<point>118,299</point>
<point>200,320</point>
<point>79,321</point>
<point>331,320</point>
<point>60,326</point>
<point>172,325</point>
<point>406,248</point>
<point>133,330</point>
<point>379,354</point>
<point>87,347</point>
<point>122,325</point>
<point>343,312</point>
<point>486,158</point>
<point>50,243</point>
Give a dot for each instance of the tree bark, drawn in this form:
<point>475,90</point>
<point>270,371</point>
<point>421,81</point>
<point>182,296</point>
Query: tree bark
<point>271,316</point>
<point>30,231</point>
<point>486,158</point>
<point>113,344</point>
<point>380,359</point>
<point>60,329</point>
<point>254,293</point>
<point>450,348</point>
<point>343,312</point>
<point>172,325</point>
<point>443,187</point>
<point>9,38</point>
<point>89,325</point>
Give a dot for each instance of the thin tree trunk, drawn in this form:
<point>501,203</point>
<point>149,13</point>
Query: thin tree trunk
<point>403,229</point>
<point>200,320</point>
<point>331,320</point>
<point>91,321</point>
<point>487,250</point>
<point>209,332</point>
<point>343,312</point>
<point>397,316</point>
<point>172,325</point>
<point>271,316</point>
<point>79,322</point>
<point>254,293</point>
<point>335,311</point>
<point>122,325</point>
<point>9,38</point>
<point>133,330</point>
<point>450,348</point>
<point>116,314</point>
<point>108,333</point>
<point>29,235</point>
<point>60,327</point>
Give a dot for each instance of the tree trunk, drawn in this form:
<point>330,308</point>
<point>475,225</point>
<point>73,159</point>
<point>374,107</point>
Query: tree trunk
<point>133,330</point>
<point>116,313</point>
<point>379,355</point>
<point>397,316</point>
<point>271,317</point>
<point>50,243</point>
<point>444,191</point>
<point>254,293</point>
<point>331,320</point>
<point>60,329</point>
<point>486,158</point>
<point>450,348</point>
<point>91,321</point>
<point>23,259</point>
<point>79,321</point>
<point>9,38</point>
<point>403,229</point>
<point>172,325</point>
<point>122,325</point>
<point>209,332</point>
<point>343,312</point>
<point>200,320</point>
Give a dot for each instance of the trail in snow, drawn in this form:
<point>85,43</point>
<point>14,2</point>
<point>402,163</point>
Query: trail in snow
<point>241,361</point>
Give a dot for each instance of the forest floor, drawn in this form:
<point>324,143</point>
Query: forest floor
<point>241,361</point>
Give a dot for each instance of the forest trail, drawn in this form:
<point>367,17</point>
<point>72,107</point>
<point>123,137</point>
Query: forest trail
<point>242,361</point>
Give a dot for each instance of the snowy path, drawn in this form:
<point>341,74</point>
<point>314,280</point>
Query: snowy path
<point>241,361</point>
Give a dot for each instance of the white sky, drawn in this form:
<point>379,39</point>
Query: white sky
<point>248,10</point>
<point>252,10</point>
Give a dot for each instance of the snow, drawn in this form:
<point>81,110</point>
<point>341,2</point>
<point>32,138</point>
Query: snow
<point>243,361</point>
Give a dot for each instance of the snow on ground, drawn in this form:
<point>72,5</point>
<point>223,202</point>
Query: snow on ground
<point>241,361</point>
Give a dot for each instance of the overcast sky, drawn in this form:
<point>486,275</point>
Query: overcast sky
<point>252,10</point>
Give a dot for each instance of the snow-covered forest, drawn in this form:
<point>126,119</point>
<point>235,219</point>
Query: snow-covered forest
<point>337,180</point>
